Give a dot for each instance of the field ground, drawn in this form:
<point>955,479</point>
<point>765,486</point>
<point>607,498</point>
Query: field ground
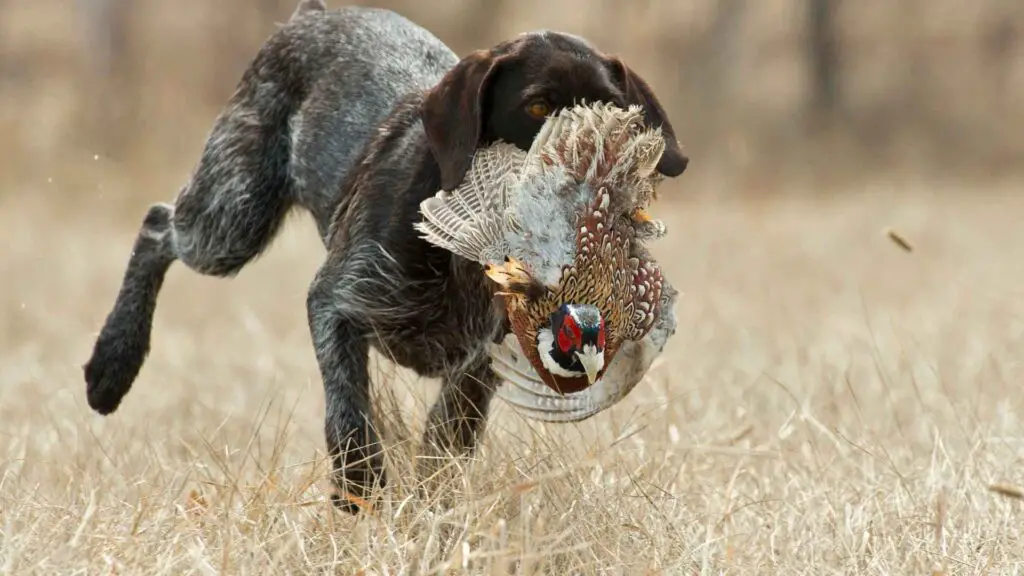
<point>830,404</point>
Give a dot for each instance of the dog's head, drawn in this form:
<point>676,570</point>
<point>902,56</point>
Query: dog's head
<point>506,93</point>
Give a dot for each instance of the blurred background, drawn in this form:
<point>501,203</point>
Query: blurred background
<point>116,96</point>
<point>812,125</point>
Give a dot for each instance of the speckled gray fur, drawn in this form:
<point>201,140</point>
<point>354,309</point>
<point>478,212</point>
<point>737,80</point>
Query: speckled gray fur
<point>356,115</point>
<point>313,96</point>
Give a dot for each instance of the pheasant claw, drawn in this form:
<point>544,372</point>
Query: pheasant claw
<point>511,273</point>
<point>641,215</point>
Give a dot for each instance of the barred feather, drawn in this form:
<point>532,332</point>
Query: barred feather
<point>601,143</point>
<point>469,221</point>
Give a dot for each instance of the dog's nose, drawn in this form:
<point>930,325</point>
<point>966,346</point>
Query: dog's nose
<point>673,165</point>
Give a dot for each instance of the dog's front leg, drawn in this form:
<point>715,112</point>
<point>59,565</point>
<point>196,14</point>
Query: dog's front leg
<point>342,352</point>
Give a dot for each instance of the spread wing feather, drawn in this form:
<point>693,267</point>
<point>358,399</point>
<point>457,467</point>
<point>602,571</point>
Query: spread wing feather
<point>469,221</point>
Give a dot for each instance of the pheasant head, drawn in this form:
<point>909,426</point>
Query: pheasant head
<point>573,343</point>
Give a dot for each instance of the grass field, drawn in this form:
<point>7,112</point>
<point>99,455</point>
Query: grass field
<point>830,404</point>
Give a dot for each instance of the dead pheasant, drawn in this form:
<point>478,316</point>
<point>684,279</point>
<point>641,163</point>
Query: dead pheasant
<point>559,230</point>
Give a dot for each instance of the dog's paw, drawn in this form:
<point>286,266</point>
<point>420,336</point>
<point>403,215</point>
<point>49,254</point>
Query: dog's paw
<point>110,372</point>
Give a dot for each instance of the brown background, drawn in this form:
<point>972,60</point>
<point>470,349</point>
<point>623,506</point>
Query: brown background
<point>830,404</point>
<point>928,86</point>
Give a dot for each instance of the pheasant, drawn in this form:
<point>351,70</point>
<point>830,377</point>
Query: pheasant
<point>560,229</point>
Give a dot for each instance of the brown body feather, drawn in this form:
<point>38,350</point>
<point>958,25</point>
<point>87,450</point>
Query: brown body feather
<point>610,272</point>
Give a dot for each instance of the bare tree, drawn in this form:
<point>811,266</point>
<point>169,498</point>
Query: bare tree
<point>1000,34</point>
<point>105,30</point>
<point>482,20</point>
<point>717,72</point>
<point>823,59</point>
<point>110,67</point>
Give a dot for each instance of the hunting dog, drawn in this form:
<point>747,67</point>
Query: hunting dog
<point>357,115</point>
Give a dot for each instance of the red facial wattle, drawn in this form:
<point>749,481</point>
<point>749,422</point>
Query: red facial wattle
<point>569,336</point>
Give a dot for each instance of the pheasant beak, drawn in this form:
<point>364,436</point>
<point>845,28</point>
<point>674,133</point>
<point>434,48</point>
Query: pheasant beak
<point>592,361</point>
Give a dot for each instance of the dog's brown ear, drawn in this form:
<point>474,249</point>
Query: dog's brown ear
<point>453,114</point>
<point>673,162</point>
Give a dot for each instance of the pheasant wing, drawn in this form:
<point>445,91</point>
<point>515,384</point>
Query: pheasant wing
<point>469,221</point>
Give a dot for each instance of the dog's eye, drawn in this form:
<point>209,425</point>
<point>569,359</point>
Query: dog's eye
<point>538,109</point>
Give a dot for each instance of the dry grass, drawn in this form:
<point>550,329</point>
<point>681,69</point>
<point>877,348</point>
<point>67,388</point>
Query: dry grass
<point>830,404</point>
<point>842,396</point>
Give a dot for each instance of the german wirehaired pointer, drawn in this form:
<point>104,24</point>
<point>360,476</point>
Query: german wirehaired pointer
<point>357,115</point>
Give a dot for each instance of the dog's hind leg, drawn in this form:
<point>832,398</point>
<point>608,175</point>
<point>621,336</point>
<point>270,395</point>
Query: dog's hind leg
<point>123,343</point>
<point>459,415</point>
<point>225,217</point>
<point>455,424</point>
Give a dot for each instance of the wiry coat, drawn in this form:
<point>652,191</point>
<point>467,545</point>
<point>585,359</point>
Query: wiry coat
<point>357,115</point>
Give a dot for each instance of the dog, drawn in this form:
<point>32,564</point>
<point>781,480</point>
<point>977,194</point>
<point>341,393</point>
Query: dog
<point>356,115</point>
